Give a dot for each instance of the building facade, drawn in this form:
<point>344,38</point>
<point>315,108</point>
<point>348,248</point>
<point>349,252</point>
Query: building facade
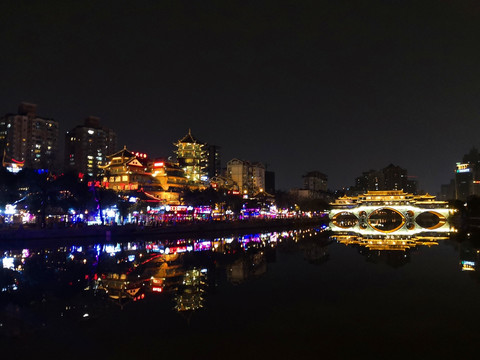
<point>214,165</point>
<point>87,147</point>
<point>29,140</point>
<point>249,177</point>
<point>391,177</point>
<point>315,181</point>
<point>467,176</point>
<point>158,180</point>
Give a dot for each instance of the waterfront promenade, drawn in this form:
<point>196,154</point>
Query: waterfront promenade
<point>128,230</point>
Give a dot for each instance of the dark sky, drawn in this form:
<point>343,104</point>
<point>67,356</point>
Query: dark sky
<point>335,86</point>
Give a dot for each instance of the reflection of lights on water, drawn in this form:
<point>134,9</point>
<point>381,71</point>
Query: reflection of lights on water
<point>203,245</point>
<point>468,265</point>
<point>10,287</point>
<point>8,263</point>
<point>112,249</point>
<point>77,249</point>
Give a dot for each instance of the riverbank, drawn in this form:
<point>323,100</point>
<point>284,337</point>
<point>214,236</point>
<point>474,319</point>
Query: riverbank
<point>132,230</point>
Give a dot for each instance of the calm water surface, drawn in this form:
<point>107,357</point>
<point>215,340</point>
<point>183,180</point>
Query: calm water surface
<point>278,295</point>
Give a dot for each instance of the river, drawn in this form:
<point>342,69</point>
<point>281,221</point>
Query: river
<point>300,293</point>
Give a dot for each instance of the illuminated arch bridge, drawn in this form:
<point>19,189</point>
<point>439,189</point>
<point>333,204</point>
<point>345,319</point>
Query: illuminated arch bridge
<point>390,212</point>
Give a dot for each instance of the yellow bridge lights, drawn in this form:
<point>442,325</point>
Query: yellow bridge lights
<point>380,212</point>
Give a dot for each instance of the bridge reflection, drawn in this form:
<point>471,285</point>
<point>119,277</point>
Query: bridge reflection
<point>388,242</point>
<point>393,250</point>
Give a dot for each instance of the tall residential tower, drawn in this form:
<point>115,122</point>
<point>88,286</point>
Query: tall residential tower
<point>87,147</point>
<point>28,140</point>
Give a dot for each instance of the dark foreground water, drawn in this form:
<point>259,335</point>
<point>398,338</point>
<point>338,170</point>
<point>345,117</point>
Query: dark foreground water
<point>296,294</point>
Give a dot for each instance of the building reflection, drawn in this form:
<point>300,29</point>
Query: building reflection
<point>468,247</point>
<point>189,295</point>
<point>251,265</point>
<point>78,283</point>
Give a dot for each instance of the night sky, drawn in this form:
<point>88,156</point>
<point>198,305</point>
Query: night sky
<point>336,86</point>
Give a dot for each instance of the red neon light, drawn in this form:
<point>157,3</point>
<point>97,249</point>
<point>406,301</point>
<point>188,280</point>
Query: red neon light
<point>178,208</point>
<point>141,155</point>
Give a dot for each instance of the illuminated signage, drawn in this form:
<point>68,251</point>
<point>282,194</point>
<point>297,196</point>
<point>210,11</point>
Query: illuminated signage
<point>178,208</point>
<point>463,168</point>
<point>8,263</point>
<point>10,209</point>
<point>140,155</point>
<point>203,209</point>
<point>158,164</point>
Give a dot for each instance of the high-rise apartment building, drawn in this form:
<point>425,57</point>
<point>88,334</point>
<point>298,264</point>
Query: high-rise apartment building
<point>29,140</point>
<point>214,165</point>
<point>87,147</point>
<point>258,177</point>
<point>250,177</point>
<point>464,180</point>
<point>315,181</point>
<point>391,177</point>
<point>467,175</point>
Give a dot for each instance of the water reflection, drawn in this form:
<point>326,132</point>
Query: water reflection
<point>42,286</point>
<point>469,250</point>
<point>388,242</point>
<point>390,249</point>
<point>383,223</point>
